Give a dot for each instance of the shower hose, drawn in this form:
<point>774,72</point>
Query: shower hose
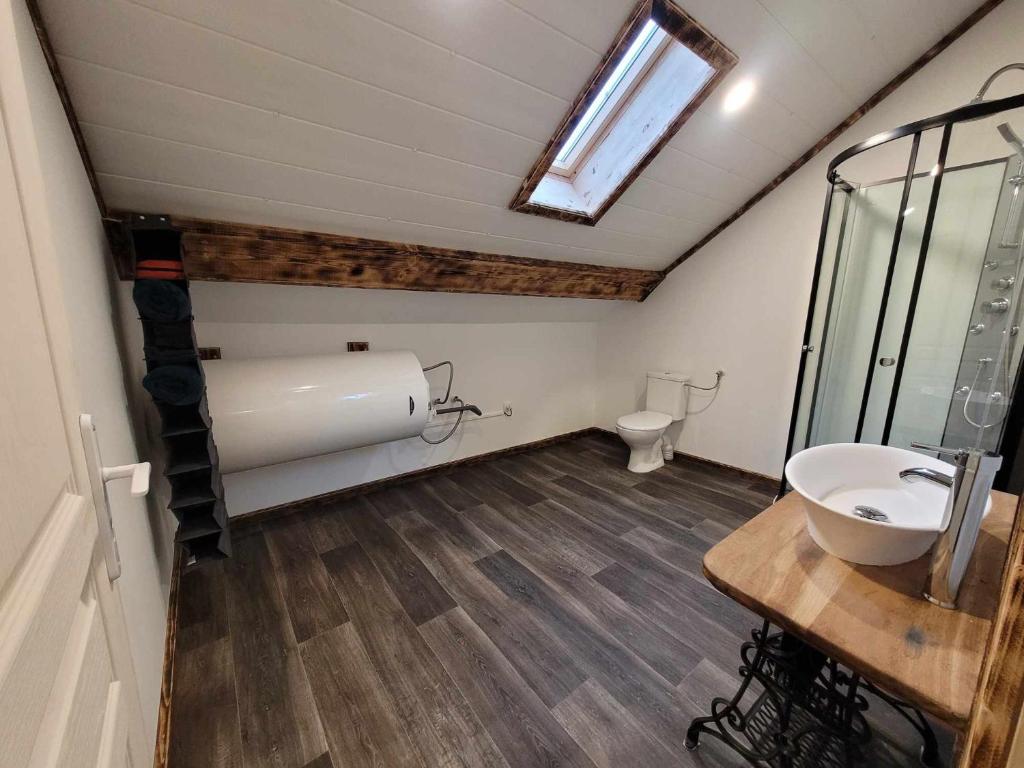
<point>982,362</point>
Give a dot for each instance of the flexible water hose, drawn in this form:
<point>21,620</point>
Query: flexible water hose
<point>970,392</point>
<point>451,432</point>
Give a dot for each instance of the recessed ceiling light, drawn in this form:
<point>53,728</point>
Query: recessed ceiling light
<point>738,97</point>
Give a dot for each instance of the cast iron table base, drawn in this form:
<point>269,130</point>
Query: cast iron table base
<point>810,712</point>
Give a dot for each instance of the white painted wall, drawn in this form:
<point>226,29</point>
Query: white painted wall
<point>74,223</point>
<point>538,354</point>
<point>740,303</point>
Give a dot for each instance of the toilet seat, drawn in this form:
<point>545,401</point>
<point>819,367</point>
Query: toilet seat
<point>644,421</point>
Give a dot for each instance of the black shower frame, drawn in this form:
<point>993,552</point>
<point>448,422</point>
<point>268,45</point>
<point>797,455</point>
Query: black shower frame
<point>945,121</point>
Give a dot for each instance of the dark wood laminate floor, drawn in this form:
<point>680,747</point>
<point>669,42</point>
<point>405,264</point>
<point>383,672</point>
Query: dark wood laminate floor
<point>543,609</point>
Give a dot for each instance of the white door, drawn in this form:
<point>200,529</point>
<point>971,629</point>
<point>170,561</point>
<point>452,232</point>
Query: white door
<point>67,689</point>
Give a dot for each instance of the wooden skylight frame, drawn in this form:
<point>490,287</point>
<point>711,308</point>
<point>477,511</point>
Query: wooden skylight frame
<point>680,27</point>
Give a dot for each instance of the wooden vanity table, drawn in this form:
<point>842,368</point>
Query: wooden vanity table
<point>862,626</point>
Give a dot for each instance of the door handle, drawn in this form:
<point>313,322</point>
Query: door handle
<point>139,473</point>
<point>99,476</point>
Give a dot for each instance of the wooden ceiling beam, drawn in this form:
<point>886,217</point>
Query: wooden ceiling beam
<point>222,251</point>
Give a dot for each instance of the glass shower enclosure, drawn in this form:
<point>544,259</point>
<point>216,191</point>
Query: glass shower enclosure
<point>912,332</point>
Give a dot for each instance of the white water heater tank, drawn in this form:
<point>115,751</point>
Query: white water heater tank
<point>272,410</point>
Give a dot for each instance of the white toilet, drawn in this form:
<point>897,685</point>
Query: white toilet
<point>666,400</point>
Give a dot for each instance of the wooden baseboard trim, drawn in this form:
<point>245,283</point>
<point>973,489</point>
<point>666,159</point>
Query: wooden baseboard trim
<point>259,516</point>
<point>163,723</point>
<point>749,474</point>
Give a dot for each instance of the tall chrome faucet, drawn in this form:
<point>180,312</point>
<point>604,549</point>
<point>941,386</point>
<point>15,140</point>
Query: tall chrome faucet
<point>969,488</point>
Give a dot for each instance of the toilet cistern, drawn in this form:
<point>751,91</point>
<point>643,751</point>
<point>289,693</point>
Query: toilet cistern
<point>665,402</point>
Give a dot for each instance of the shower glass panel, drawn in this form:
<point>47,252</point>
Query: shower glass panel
<point>912,329</point>
<point>963,352</point>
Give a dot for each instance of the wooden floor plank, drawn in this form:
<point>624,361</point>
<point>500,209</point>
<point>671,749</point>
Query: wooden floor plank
<point>710,532</point>
<point>449,491</point>
<point>580,554</point>
<point>707,681</point>
<point>613,454</point>
<point>279,722</point>
<point>521,492</point>
<point>520,527</point>
<point>327,527</point>
<point>390,501</point>
<point>653,570</point>
<point>574,494</point>
<point>440,722</point>
<point>616,507</point>
<point>658,707</point>
<point>539,657</point>
<point>432,508</point>
<point>662,652</point>
<point>589,466</point>
<point>205,732</point>
<point>586,637</point>
<point>202,610</point>
<point>608,733</point>
<point>518,721</point>
<point>530,465</point>
<point>688,557</point>
<point>665,519</point>
<point>678,487</point>
<point>359,717</point>
<point>415,587</point>
<point>720,640</point>
<point>324,761</point>
<point>313,605</point>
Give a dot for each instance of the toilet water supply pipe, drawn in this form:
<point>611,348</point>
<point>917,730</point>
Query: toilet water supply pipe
<point>718,381</point>
<point>713,388</point>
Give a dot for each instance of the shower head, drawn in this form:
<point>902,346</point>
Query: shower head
<point>1011,138</point>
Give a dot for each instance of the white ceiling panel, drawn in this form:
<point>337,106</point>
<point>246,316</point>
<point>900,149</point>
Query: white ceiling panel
<point>416,121</point>
<point>134,156</point>
<point>554,61</point>
<point>356,46</point>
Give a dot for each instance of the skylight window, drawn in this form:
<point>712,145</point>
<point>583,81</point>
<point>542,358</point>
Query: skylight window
<point>643,92</point>
<point>622,77</point>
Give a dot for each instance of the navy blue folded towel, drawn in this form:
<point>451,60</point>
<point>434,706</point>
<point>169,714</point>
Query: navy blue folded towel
<point>161,300</point>
<point>174,384</point>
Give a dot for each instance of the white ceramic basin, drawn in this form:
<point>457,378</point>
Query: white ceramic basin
<point>834,479</point>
